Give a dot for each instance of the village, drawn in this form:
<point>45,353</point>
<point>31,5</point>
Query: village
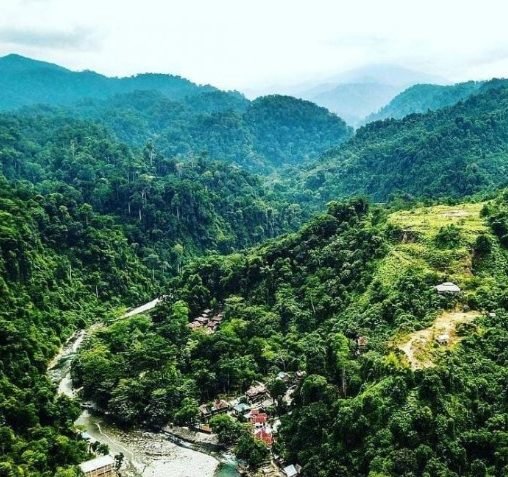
<point>207,321</point>
<point>256,407</point>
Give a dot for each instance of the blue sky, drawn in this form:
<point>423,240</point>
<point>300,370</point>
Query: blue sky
<point>254,44</point>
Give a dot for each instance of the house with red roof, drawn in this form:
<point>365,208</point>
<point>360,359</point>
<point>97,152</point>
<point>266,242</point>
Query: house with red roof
<point>264,435</point>
<point>258,419</point>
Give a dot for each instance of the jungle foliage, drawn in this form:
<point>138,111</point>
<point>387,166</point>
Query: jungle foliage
<point>452,152</point>
<point>301,302</point>
<point>61,266</point>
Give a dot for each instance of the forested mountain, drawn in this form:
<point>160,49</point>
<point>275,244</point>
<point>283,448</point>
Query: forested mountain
<point>289,131</point>
<point>451,152</point>
<point>61,266</point>
<point>262,135</point>
<point>424,97</point>
<point>24,81</point>
<point>369,407</point>
<point>167,207</point>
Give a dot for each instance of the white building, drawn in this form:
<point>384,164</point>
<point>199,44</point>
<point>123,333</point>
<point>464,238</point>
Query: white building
<point>103,466</point>
<point>292,470</point>
<point>448,288</point>
<point>443,339</point>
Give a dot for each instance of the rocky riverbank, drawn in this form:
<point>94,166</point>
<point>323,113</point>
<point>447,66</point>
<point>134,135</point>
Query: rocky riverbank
<point>149,454</point>
<point>176,452</point>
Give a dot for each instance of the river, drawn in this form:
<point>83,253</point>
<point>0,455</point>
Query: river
<point>146,454</point>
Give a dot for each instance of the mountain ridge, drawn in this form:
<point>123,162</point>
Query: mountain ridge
<point>455,151</point>
<point>25,81</point>
<point>421,98</point>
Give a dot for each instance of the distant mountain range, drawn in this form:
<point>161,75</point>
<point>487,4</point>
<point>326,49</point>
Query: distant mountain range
<point>356,94</point>
<point>179,118</point>
<point>355,101</point>
<point>24,81</point>
<point>183,120</point>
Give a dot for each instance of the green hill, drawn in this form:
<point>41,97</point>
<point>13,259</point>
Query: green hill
<point>375,406</point>
<point>452,152</point>
<point>261,135</point>
<point>198,204</point>
<point>421,98</point>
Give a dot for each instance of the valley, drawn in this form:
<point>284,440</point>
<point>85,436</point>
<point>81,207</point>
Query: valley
<point>211,285</point>
<point>145,454</point>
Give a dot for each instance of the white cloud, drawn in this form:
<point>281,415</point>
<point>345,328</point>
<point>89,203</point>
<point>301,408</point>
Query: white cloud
<point>76,38</point>
<point>242,43</point>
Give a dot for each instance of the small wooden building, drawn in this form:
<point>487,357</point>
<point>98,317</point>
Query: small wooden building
<point>218,406</point>
<point>443,339</point>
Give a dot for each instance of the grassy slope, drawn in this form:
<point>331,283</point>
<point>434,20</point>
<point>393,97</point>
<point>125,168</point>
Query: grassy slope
<point>417,250</point>
<point>425,223</point>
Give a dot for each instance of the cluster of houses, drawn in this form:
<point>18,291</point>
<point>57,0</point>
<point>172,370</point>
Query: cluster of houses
<point>207,321</point>
<point>250,408</point>
<point>254,408</point>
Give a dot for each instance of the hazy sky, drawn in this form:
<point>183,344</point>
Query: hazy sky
<point>254,43</point>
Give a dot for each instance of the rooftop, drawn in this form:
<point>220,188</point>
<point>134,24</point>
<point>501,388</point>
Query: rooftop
<point>265,436</point>
<point>448,287</point>
<point>97,463</point>
<point>256,389</point>
<point>290,471</point>
<point>240,407</point>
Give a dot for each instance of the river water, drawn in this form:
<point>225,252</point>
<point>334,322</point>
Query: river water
<point>146,454</point>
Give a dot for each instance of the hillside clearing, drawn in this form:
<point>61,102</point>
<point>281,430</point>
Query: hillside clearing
<point>420,347</point>
<point>416,248</point>
<point>428,220</point>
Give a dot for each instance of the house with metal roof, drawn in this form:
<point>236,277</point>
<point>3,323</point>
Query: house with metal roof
<point>292,470</point>
<point>103,466</point>
<point>448,288</point>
